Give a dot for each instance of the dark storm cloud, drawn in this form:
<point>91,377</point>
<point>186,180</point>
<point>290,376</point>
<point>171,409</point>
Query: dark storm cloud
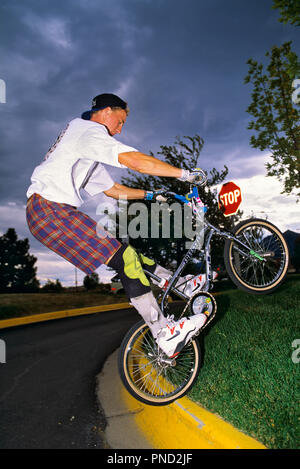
<point>180,65</point>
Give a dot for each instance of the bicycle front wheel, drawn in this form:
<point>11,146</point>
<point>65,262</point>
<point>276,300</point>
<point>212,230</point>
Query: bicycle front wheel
<point>261,268</point>
<point>149,375</point>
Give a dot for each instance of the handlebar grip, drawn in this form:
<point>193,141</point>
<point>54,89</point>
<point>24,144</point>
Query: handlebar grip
<point>173,195</point>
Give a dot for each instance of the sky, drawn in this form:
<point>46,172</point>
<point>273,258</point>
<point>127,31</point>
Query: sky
<point>179,65</point>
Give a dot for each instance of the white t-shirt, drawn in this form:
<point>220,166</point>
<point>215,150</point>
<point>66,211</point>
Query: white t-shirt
<point>75,161</point>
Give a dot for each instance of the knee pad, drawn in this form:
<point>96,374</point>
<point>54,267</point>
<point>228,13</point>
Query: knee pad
<point>126,262</point>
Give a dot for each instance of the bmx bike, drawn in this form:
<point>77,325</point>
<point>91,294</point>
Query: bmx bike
<point>256,259</point>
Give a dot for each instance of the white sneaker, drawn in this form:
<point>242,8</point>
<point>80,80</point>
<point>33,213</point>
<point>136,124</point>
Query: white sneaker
<point>172,338</point>
<point>191,284</point>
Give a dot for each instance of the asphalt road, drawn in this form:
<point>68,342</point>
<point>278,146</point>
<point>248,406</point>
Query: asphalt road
<point>48,383</point>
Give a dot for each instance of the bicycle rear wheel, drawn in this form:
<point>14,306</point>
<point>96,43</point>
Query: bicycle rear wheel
<point>149,375</point>
<point>263,267</point>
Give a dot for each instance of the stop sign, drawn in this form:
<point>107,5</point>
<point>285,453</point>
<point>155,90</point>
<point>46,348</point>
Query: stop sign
<point>230,198</point>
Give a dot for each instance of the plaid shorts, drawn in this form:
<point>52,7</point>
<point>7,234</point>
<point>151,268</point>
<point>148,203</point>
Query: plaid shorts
<point>70,233</point>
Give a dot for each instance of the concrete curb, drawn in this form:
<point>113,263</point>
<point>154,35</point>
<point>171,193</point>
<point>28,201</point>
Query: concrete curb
<point>186,425</point>
<point>4,323</point>
<point>180,425</point>
<point>66,313</point>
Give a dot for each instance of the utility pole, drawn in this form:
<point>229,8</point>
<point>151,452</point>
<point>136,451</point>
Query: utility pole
<point>75,279</point>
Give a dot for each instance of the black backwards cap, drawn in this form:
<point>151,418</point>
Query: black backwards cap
<point>102,101</point>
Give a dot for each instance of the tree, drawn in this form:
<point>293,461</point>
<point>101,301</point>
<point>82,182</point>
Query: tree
<point>91,281</point>
<point>183,154</point>
<point>276,114</point>
<point>290,11</point>
<point>53,287</point>
<point>17,271</point>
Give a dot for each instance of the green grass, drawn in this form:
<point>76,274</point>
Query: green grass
<point>248,376</point>
<point>17,304</point>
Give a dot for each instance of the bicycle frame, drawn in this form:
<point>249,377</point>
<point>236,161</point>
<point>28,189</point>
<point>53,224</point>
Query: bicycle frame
<point>252,247</point>
<point>202,239</point>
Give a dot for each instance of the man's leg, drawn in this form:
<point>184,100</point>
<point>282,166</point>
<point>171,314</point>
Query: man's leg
<point>155,268</point>
<point>127,264</point>
<point>75,236</point>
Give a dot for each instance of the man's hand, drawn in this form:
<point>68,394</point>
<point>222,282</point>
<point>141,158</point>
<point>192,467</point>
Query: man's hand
<point>194,176</point>
<point>155,196</point>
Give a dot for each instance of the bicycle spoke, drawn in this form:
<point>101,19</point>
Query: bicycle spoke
<point>263,241</point>
<point>151,375</point>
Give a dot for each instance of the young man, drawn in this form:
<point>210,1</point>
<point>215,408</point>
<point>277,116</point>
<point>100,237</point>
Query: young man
<point>73,163</point>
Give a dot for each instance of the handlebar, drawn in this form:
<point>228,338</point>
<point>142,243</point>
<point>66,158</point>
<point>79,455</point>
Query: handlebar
<point>186,199</point>
<point>179,197</point>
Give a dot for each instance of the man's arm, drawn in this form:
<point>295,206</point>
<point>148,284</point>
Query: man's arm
<point>148,164</point>
<point>118,191</point>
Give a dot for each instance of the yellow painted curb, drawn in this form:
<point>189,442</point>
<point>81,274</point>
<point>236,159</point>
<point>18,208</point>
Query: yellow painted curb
<point>4,323</point>
<point>185,425</point>
<point>20,321</point>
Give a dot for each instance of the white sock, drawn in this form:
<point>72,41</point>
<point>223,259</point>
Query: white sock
<point>146,305</point>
